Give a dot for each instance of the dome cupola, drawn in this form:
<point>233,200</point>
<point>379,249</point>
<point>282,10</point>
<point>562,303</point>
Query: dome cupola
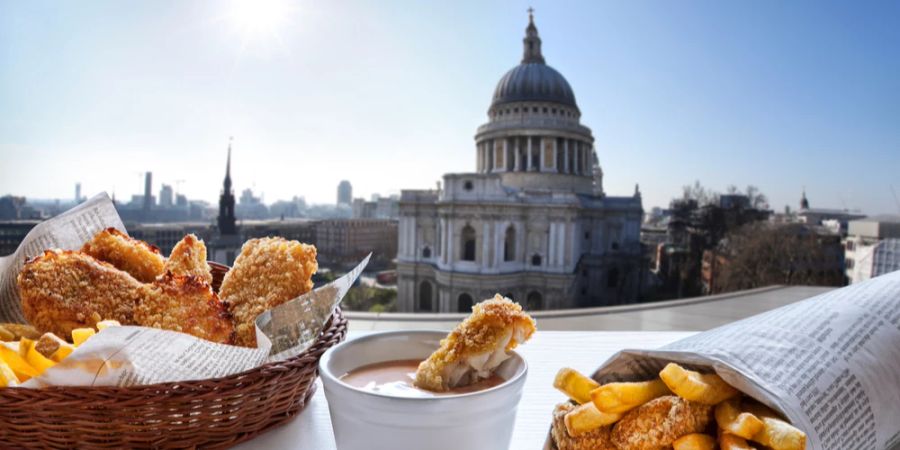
<point>533,80</point>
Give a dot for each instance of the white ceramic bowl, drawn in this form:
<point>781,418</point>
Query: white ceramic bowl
<point>368,420</point>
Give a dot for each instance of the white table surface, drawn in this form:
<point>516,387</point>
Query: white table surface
<point>545,353</point>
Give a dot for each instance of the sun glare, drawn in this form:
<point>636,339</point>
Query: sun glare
<point>254,18</point>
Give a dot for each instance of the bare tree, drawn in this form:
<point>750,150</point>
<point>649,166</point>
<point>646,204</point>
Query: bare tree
<point>702,195</point>
<point>758,200</point>
<point>761,254</point>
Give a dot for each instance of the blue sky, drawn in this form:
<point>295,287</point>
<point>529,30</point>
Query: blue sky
<point>388,94</point>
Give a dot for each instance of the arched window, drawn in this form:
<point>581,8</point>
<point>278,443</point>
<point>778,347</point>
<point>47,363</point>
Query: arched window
<point>464,303</point>
<point>612,278</point>
<point>468,243</point>
<point>536,260</point>
<point>509,296</point>
<point>509,244</point>
<point>425,296</point>
<point>534,302</point>
<point>426,252</point>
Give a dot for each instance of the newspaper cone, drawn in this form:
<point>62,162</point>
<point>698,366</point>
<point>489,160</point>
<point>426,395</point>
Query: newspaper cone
<point>830,364</point>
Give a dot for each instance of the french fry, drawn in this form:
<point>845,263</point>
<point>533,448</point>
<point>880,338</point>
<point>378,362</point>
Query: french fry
<point>577,386</point>
<point>79,335</point>
<point>18,364</point>
<point>37,360</point>
<point>623,397</point>
<point>732,420</point>
<point>695,441</point>
<point>104,324</point>
<point>7,376</point>
<point>708,389</point>
<point>62,352</point>
<point>728,441</point>
<point>6,335</point>
<point>25,344</point>
<point>587,417</point>
<point>776,433</point>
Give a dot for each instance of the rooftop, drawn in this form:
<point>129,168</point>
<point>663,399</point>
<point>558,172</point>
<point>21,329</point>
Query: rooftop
<point>691,314</point>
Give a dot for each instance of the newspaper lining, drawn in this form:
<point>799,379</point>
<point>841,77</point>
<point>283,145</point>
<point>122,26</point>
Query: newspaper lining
<point>132,355</point>
<point>830,364</point>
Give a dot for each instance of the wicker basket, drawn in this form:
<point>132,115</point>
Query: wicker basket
<point>212,413</point>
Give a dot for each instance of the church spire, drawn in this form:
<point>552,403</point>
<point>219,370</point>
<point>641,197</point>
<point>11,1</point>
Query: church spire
<point>227,183</point>
<point>226,219</point>
<point>532,42</point>
<point>804,203</point>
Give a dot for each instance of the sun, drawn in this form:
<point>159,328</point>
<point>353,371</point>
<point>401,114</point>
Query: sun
<point>255,18</point>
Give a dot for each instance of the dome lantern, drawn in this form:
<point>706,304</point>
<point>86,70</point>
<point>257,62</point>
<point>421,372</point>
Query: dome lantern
<point>533,80</point>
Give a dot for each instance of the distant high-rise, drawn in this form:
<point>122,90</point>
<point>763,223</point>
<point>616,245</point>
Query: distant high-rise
<point>166,196</point>
<point>148,191</point>
<point>344,193</point>
<point>226,220</point>
<point>77,192</point>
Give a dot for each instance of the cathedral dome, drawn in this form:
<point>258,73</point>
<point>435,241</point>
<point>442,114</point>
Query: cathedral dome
<point>533,82</point>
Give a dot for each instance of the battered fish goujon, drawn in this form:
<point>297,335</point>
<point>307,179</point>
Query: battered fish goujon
<point>64,290</point>
<point>186,304</point>
<point>268,272</point>
<point>656,424</point>
<point>597,439</point>
<point>188,257</point>
<point>477,346</point>
<point>136,257</point>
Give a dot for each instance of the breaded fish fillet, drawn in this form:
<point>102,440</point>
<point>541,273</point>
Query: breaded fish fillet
<point>597,439</point>
<point>268,272</point>
<point>134,256</point>
<point>189,258</point>
<point>477,346</point>
<point>187,304</point>
<point>64,290</point>
<point>655,425</point>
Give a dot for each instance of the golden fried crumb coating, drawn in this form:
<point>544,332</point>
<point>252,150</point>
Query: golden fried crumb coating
<point>187,304</point>
<point>189,258</point>
<point>656,424</point>
<point>134,256</point>
<point>593,440</point>
<point>268,272</point>
<point>64,290</point>
<point>48,344</point>
<point>477,345</point>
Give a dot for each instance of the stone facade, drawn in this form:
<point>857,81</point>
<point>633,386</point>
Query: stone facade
<point>532,222</point>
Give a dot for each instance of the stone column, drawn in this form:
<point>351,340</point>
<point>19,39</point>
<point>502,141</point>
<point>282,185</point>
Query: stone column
<point>551,245</point>
<point>578,157</point>
<point>482,153</point>
<point>555,155</point>
<point>529,157</point>
<point>517,155</point>
<point>485,244</point>
<point>489,156</point>
<point>565,168</point>
<point>561,244</point>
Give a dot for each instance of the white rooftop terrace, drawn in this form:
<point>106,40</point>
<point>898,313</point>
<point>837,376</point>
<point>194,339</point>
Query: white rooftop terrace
<point>690,314</point>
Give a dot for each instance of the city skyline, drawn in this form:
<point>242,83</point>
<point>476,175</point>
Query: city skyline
<point>781,96</point>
